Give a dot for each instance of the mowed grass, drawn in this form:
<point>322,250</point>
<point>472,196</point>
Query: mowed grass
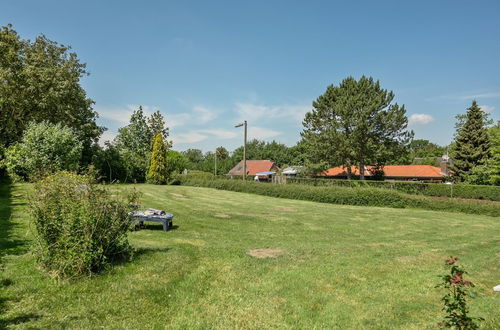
<point>340,267</point>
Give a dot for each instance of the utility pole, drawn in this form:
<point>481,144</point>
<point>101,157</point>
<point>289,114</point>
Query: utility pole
<point>244,123</point>
<point>215,167</point>
<point>245,154</point>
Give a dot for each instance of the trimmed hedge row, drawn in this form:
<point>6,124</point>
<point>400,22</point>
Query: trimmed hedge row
<point>416,188</point>
<point>362,196</point>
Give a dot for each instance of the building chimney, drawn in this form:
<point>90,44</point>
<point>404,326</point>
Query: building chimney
<point>444,167</point>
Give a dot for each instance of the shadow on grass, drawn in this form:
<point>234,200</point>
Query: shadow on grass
<point>9,246</point>
<point>18,320</point>
<point>146,250</point>
<point>156,226</point>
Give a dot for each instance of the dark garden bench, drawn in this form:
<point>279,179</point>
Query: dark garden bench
<point>166,219</point>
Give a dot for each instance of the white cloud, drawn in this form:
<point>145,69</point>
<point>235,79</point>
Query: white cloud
<point>420,119</point>
<point>220,133</point>
<point>190,137</point>
<point>253,112</point>
<point>197,115</point>
<point>195,136</point>
<point>203,114</point>
<point>487,108</point>
<point>177,119</point>
<point>261,133</point>
<point>106,136</point>
<point>482,95</point>
<point>122,114</point>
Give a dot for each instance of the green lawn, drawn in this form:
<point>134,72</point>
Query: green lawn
<point>340,267</point>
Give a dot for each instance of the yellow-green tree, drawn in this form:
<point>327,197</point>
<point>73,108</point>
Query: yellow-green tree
<point>158,172</point>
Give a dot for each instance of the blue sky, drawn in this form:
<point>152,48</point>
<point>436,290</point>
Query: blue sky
<point>206,65</point>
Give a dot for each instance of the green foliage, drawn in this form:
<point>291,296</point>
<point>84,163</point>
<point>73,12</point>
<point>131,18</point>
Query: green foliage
<point>472,144</point>
<point>41,82</point>
<point>415,188</point>
<point>2,162</point>
<point>313,169</point>
<point>362,196</point>
<point>135,141</point>
<point>356,124</point>
<point>80,229</point>
<point>422,152</point>
<point>425,149</point>
<point>158,171</point>
<point>44,148</point>
<point>494,169</point>
<point>257,150</point>
<point>194,156</point>
<point>455,299</point>
<point>176,162</point>
<point>109,163</point>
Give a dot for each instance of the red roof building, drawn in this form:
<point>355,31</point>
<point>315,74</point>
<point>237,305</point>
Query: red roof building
<point>394,172</point>
<point>254,167</point>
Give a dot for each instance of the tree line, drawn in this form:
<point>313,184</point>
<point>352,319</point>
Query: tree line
<point>47,122</point>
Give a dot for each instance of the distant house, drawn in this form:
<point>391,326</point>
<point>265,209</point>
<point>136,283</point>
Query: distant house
<point>293,171</point>
<point>427,173</point>
<point>254,167</point>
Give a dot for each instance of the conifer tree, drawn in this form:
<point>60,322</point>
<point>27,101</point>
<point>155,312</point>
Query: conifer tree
<point>158,172</point>
<point>472,144</point>
<point>356,123</point>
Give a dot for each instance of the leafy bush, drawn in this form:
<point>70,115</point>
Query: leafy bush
<point>415,188</point>
<point>44,148</point>
<point>80,229</point>
<point>363,196</point>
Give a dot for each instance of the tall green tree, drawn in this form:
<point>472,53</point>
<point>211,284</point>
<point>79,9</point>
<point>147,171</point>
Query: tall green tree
<point>495,150</point>
<point>195,158</point>
<point>356,123</point>
<point>222,153</point>
<point>176,162</point>
<point>472,144</point>
<point>489,172</point>
<point>156,124</point>
<point>40,81</point>
<point>158,171</point>
<point>135,142</point>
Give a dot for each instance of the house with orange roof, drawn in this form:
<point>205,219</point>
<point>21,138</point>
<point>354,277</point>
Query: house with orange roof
<point>254,167</point>
<point>426,173</point>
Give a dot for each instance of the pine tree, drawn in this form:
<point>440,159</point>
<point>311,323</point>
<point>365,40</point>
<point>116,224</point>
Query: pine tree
<point>472,144</point>
<point>158,172</point>
<point>356,123</point>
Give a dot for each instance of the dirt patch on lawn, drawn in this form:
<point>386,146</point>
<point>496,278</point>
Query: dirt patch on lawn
<point>265,215</point>
<point>285,209</point>
<point>178,195</point>
<point>222,215</point>
<point>405,259</point>
<point>265,253</point>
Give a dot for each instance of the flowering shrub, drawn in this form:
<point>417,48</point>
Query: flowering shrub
<point>80,228</point>
<point>455,302</point>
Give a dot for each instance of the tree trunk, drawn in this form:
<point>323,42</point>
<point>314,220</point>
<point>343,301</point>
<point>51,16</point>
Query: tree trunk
<point>361,171</point>
<point>349,172</point>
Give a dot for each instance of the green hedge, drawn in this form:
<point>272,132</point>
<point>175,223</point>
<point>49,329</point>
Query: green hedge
<point>416,188</point>
<point>362,196</point>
